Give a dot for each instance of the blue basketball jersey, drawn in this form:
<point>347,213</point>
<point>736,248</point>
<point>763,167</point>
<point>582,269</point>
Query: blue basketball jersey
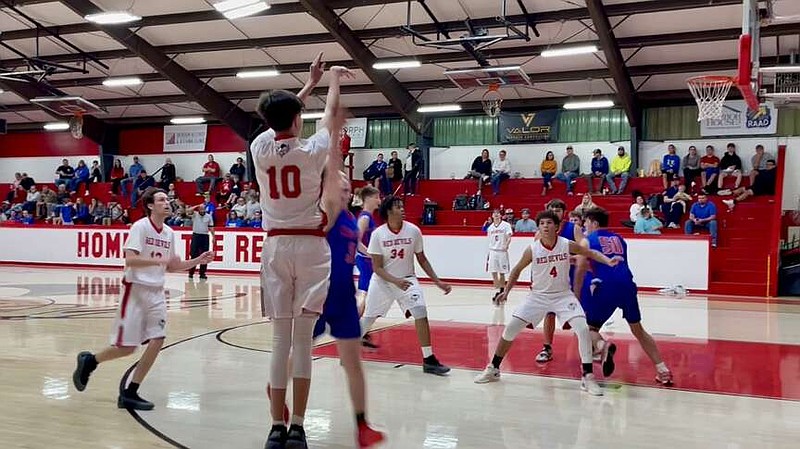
<point>343,240</point>
<point>610,244</point>
<point>568,231</point>
<point>370,227</point>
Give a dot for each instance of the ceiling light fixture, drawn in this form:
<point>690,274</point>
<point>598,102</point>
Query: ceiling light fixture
<point>401,64</point>
<point>56,126</point>
<point>112,17</point>
<point>570,51</point>
<point>234,9</point>
<point>595,104</point>
<point>312,115</point>
<point>257,73</point>
<point>187,120</point>
<point>439,108</point>
<point>117,82</point>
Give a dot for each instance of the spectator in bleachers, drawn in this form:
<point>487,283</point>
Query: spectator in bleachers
<point>64,173</point>
<point>208,206</point>
<point>31,200</point>
<point>691,167</point>
<point>703,215</point>
<point>66,215</point>
<point>763,185</point>
<point>481,169</point>
<point>26,218</point>
<point>646,223</point>
<point>252,193</point>
<point>95,174</point>
<point>97,210</point>
<point>234,220</point>
<point>635,210</point>
<point>570,169</point>
<point>62,196</point>
<point>549,169</point>
<point>674,204</point>
<point>178,214</point>
<point>376,175</point>
<point>525,224</point>
<point>133,175</point>
<point>140,185</point>
<point>211,173</point>
<point>255,222</point>
<point>709,164</point>
<point>172,195</point>
<point>82,175</point>
<point>14,186</point>
<point>501,171</point>
<point>730,165</point>
<point>252,207</point>
<point>239,170</point>
<point>412,168</point>
<point>508,216</point>
<point>395,169</point>
<point>585,204</point>
<point>759,162</point>
<point>117,175</point>
<point>82,213</point>
<point>114,213</point>
<point>599,170</point>
<point>670,166</point>
<point>26,182</point>
<point>620,167</point>
<point>47,201</point>
<point>224,198</point>
<point>168,174</point>
<point>240,208</point>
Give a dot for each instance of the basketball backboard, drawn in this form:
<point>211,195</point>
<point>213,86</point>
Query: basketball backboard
<point>478,77</point>
<point>67,106</point>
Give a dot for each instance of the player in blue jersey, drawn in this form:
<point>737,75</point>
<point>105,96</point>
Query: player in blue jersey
<point>371,200</point>
<point>607,289</point>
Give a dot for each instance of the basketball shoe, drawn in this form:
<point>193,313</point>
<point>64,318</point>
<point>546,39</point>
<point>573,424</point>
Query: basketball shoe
<point>664,377</point>
<point>431,365</point>
<point>296,438</point>
<point>86,364</point>
<point>490,374</point>
<point>276,438</point>
<point>367,436</point>
<point>608,359</point>
<point>589,385</point>
<point>545,355</point>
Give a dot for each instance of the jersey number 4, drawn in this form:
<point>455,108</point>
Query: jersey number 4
<point>397,254</point>
<point>554,272</point>
<point>290,182</point>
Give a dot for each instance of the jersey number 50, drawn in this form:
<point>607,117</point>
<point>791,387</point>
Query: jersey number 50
<point>290,182</point>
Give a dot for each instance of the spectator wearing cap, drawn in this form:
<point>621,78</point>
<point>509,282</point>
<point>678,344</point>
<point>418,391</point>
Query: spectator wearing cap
<point>140,185</point>
<point>525,224</point>
<point>508,216</point>
<point>570,169</point>
<point>759,162</point>
<point>691,167</point>
<point>133,175</point>
<point>620,167</point>
<point>703,215</point>
<point>670,166</point>
<point>730,165</point>
<point>763,185</point>
<point>500,171</point>
<point>599,170</point>
<point>646,223</point>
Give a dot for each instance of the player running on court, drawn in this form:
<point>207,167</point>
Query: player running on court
<point>499,233</point>
<point>142,312</point>
<point>393,247</point>
<point>295,265</point>
<point>550,293</point>
<point>609,288</point>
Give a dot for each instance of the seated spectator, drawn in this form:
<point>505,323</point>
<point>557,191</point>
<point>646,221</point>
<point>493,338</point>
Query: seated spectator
<point>635,211</point>
<point>620,167</point>
<point>691,168</point>
<point>47,201</point>
<point>234,220</point>
<point>703,215</point>
<point>508,217</point>
<point>82,213</point>
<point>586,204</point>
<point>670,166</point>
<point>599,170</point>
<point>730,165</point>
<point>647,223</point>
<point>115,214</point>
<point>376,174</point>
<point>66,215</point>
<point>82,175</point>
<point>526,223</point>
<point>14,186</point>
<point>239,170</point>
<point>549,169</point>
<point>763,185</point>
<point>211,173</point>
<point>97,210</point>
<point>26,218</point>
<point>240,208</point>
<point>709,164</point>
<point>252,207</point>
<point>394,171</point>
<point>133,175</point>
<point>208,206</point>
<point>481,169</point>
<point>95,174</point>
<point>255,222</point>
<point>224,194</point>
<point>140,185</point>
<point>32,200</point>
<point>168,174</point>
<point>172,195</point>
<point>252,194</point>
<point>674,204</point>
<point>26,182</point>
<point>501,171</point>
<point>570,169</point>
<point>117,175</point>
<point>64,173</point>
<point>759,162</point>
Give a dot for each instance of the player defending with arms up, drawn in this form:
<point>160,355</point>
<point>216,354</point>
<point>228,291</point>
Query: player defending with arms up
<point>499,233</point>
<point>550,293</point>
<point>295,265</point>
<point>142,311</point>
<point>609,288</point>
<point>393,247</point>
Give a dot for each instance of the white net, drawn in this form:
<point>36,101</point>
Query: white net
<point>709,93</point>
<point>76,126</point>
<point>492,102</point>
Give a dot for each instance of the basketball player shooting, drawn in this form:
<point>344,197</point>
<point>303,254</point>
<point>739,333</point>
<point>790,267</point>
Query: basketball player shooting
<point>142,312</point>
<point>550,293</point>
<point>296,259</point>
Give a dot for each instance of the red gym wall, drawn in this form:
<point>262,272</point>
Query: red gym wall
<point>220,139</point>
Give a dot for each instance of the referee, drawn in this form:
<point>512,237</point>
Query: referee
<point>202,226</point>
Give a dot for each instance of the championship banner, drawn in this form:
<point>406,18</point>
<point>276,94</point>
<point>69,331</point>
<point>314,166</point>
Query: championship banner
<point>356,129</point>
<point>185,138</point>
<point>737,120</point>
<point>528,127</point>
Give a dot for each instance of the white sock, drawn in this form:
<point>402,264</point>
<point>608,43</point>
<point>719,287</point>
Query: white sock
<point>278,423</point>
<point>662,367</point>
<point>297,420</point>
<point>427,351</point>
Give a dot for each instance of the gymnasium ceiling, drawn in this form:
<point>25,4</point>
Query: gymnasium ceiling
<point>661,43</point>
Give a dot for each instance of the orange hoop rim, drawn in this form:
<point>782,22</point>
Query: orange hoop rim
<point>711,79</point>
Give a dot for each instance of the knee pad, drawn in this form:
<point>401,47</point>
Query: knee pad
<point>513,328</point>
<point>418,312</point>
<point>302,342</point>
<point>281,347</point>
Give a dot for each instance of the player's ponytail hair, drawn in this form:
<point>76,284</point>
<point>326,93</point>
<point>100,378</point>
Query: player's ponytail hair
<point>149,197</point>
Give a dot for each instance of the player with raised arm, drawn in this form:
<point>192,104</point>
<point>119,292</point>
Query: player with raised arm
<point>295,265</point>
<point>609,288</point>
<point>549,255</point>
<point>393,247</point>
<point>142,312</point>
<point>499,233</point>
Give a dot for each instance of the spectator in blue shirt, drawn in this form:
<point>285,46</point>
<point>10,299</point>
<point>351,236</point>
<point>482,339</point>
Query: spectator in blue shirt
<point>599,170</point>
<point>670,166</point>
<point>133,174</point>
<point>255,222</point>
<point>81,177</point>
<point>26,218</point>
<point>208,206</point>
<point>66,215</point>
<point>703,215</point>
<point>141,184</point>
<point>82,213</point>
<point>647,223</point>
<point>234,221</point>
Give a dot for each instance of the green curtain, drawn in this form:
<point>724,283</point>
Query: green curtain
<point>788,122</point>
<point>309,128</point>
<point>389,133</point>
<point>671,123</point>
<point>464,130</point>
<point>596,125</point>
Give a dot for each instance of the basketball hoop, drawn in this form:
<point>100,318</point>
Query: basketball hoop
<point>709,93</point>
<point>76,125</point>
<point>492,100</point>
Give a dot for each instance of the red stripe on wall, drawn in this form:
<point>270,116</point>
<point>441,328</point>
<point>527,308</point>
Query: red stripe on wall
<point>60,144</point>
<point>220,139</point>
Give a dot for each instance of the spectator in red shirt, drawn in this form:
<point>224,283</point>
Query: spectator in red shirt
<point>117,175</point>
<point>211,173</point>
<point>710,166</point>
<point>344,144</point>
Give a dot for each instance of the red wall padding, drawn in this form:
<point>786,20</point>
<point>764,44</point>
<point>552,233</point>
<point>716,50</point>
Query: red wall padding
<point>150,140</point>
<point>40,144</point>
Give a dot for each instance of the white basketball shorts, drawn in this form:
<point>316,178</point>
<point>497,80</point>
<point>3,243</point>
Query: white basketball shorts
<point>497,262</point>
<point>141,316</point>
<point>382,294</point>
<point>295,275</point>
<point>536,306</point>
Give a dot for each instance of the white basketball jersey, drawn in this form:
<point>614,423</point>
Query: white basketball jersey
<point>289,174</point>
<point>149,241</point>
<point>397,248</point>
<point>550,268</point>
<point>499,235</point>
